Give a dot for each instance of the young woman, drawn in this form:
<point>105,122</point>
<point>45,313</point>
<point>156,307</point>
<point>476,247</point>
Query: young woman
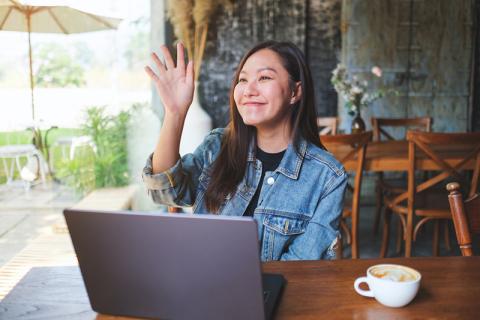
<point>267,163</point>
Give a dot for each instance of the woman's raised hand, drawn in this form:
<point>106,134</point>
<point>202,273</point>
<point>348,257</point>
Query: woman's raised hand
<point>174,84</point>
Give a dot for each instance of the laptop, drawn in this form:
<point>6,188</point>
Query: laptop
<point>164,266</point>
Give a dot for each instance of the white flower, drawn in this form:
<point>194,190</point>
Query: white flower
<point>377,71</point>
<point>357,90</point>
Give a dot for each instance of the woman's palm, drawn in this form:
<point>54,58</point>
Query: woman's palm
<point>174,84</point>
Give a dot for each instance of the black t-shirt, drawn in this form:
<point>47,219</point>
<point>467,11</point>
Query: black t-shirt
<point>270,162</point>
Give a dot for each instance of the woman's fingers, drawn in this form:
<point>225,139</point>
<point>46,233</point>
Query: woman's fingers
<point>180,57</point>
<point>168,57</point>
<point>160,66</point>
<point>151,74</point>
<point>168,65</point>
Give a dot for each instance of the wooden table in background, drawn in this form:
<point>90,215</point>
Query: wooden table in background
<point>393,156</point>
<point>315,289</point>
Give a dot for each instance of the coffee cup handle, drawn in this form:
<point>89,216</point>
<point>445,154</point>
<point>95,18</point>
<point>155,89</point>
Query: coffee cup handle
<point>365,293</point>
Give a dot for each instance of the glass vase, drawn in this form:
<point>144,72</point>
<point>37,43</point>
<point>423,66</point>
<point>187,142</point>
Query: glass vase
<point>358,125</point>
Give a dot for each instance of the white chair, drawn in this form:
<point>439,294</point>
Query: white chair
<point>35,163</point>
<point>73,145</point>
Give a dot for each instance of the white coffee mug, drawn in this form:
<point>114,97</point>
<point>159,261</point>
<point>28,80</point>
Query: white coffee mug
<point>392,285</point>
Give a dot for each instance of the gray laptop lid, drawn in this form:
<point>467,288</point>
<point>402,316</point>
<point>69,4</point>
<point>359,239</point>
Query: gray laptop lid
<point>169,266</point>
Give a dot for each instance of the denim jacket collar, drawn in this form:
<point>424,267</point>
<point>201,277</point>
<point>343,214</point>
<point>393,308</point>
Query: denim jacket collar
<point>291,162</point>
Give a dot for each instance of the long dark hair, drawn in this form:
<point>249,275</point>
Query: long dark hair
<point>229,168</point>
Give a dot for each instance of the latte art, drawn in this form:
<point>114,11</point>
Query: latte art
<point>394,274</point>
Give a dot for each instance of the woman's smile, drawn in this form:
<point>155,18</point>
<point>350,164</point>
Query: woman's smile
<point>253,104</point>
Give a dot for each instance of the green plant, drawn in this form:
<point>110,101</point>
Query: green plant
<point>109,167</point>
<point>79,172</point>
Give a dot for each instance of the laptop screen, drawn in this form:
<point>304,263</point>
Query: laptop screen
<point>168,266</point>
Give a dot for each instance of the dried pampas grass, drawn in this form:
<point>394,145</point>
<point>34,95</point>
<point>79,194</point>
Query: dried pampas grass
<point>180,12</point>
<point>190,20</point>
<point>203,10</point>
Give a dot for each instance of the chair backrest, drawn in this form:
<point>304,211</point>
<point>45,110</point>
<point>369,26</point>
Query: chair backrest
<point>379,124</point>
<point>431,146</point>
<point>466,217</point>
<point>327,125</point>
<point>357,145</point>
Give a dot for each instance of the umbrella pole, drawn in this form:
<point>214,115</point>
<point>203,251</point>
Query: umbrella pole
<point>37,134</point>
<point>31,66</point>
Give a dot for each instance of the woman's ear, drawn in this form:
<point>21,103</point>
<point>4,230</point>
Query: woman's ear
<point>296,93</point>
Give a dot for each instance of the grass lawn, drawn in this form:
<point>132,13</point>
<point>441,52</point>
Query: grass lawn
<point>25,136</point>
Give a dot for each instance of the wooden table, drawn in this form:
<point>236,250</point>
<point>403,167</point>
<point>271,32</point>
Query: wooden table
<point>316,289</point>
<point>393,156</point>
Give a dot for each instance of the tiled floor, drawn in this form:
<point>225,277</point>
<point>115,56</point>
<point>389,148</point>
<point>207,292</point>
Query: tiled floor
<point>25,215</point>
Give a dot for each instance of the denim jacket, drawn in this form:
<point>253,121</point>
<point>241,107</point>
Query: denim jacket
<point>299,206</point>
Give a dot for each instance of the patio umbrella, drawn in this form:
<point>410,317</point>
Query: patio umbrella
<point>49,17</point>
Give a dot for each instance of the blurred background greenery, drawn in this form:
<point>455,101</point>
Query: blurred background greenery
<point>86,85</point>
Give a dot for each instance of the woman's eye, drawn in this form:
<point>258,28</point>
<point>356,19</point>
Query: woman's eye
<point>242,80</point>
<point>265,78</point>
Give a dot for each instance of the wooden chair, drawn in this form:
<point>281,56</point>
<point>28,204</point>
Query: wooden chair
<point>357,145</point>
<point>380,133</point>
<point>422,201</point>
<point>327,125</point>
<point>379,125</point>
<point>466,217</point>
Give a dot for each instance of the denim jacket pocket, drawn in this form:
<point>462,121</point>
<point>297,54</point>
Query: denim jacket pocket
<point>284,225</point>
<point>279,233</point>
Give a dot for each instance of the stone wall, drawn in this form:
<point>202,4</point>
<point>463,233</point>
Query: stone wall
<point>311,25</point>
<point>424,48</point>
